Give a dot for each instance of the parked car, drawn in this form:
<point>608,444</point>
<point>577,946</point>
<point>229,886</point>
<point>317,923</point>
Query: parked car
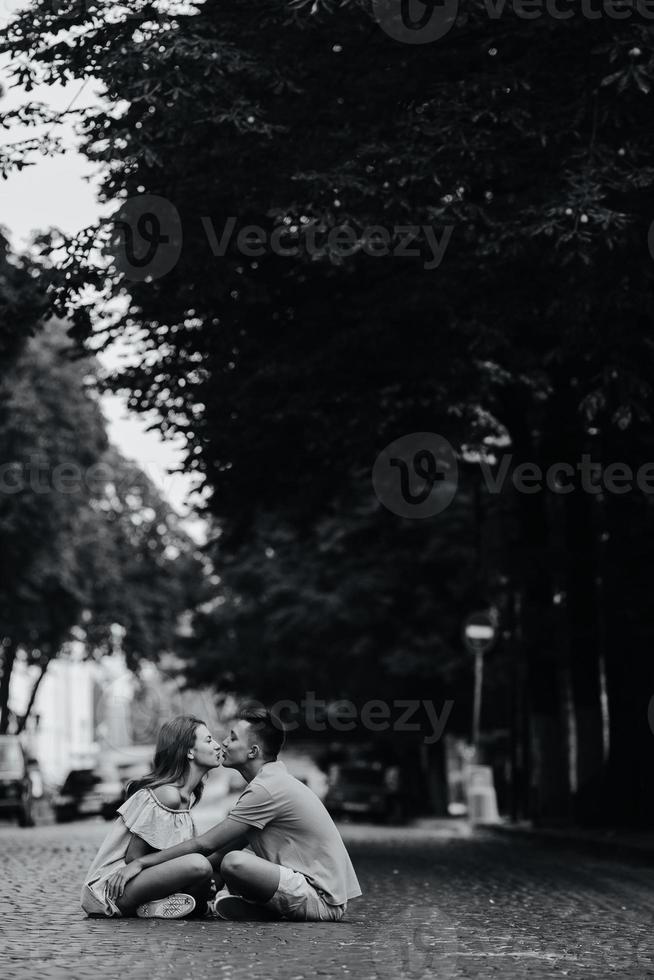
<point>100,790</point>
<point>88,793</point>
<point>364,791</point>
<point>77,796</point>
<point>15,783</point>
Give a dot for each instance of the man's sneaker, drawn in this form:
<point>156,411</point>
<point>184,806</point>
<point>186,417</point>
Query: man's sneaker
<point>237,909</point>
<point>172,907</point>
<point>223,893</point>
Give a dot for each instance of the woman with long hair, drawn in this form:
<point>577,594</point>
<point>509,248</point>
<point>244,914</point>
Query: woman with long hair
<point>157,815</point>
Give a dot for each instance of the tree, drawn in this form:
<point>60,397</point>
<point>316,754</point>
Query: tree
<point>145,571</point>
<point>288,374</point>
<point>87,541</point>
<point>50,429</point>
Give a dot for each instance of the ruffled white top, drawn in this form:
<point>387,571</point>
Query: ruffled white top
<point>142,814</point>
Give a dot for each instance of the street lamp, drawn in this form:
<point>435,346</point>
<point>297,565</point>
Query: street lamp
<point>479,635</point>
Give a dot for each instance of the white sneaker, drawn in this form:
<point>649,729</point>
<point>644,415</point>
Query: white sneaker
<point>172,907</point>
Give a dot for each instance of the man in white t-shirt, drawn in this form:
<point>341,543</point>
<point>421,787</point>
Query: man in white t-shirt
<point>296,865</point>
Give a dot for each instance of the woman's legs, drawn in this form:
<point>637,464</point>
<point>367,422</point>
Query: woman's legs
<point>183,874</point>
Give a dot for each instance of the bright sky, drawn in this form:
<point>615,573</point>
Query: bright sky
<point>61,192</point>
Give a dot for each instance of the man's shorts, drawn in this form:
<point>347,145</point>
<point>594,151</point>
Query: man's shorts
<point>298,900</point>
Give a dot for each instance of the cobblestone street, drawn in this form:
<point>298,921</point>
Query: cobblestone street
<point>437,903</point>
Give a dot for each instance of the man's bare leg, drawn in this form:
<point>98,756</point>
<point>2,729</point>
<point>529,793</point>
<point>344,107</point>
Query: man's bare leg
<point>250,876</point>
<point>216,859</point>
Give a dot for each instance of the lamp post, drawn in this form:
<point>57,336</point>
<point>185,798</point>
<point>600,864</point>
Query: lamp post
<point>479,635</point>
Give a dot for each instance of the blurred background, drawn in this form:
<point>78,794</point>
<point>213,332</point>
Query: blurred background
<point>189,512</point>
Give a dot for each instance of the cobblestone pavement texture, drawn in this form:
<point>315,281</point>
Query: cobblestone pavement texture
<point>438,903</point>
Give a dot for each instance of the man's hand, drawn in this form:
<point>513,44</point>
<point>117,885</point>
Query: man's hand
<point>117,881</point>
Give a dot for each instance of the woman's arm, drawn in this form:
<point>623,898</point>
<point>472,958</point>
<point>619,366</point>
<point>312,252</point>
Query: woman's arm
<point>218,838</point>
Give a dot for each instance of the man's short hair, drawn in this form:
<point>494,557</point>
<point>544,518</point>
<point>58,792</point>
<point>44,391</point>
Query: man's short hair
<point>270,734</point>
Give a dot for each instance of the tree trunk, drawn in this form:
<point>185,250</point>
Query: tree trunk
<point>30,704</point>
<point>587,665</point>
<point>8,661</point>
<point>433,765</point>
<point>545,646</point>
<point>561,654</point>
<point>519,727</point>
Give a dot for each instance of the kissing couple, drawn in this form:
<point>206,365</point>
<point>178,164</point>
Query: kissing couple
<point>276,855</point>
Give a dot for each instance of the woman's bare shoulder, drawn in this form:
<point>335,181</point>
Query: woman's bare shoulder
<point>169,796</point>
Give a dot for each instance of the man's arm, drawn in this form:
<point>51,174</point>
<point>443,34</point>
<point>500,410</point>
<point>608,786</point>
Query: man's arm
<point>216,839</point>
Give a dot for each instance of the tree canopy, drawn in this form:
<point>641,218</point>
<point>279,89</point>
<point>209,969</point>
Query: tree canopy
<point>529,139</point>
<point>527,142</point>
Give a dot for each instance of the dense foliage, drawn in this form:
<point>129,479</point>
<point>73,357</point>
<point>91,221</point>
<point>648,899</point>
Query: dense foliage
<point>531,140</point>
